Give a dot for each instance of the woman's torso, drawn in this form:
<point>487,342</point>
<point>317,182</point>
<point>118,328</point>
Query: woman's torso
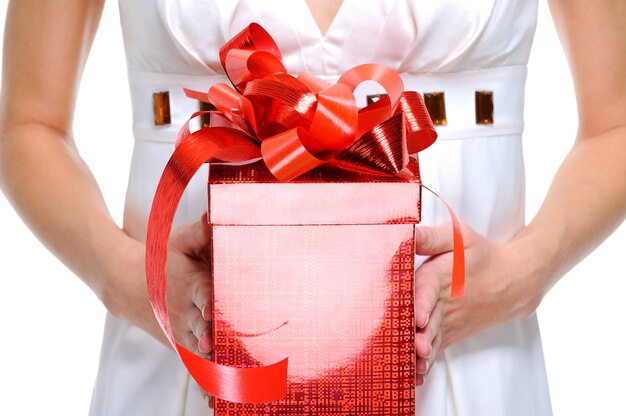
<point>456,47</point>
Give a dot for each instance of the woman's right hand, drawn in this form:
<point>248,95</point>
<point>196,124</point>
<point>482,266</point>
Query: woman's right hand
<point>189,289</point>
<point>189,286</point>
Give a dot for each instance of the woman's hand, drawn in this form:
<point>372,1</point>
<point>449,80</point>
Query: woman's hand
<point>496,291</point>
<point>189,287</point>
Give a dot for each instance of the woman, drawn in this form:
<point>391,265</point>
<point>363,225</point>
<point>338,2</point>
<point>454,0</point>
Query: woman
<point>549,246</point>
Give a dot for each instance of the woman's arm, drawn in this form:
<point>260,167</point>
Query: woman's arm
<point>587,199</point>
<point>45,48</point>
<point>585,203</point>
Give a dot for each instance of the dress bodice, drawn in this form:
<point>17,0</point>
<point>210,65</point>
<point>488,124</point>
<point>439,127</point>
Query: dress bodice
<point>183,37</point>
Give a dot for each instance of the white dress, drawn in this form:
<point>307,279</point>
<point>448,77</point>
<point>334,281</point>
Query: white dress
<point>451,46</point>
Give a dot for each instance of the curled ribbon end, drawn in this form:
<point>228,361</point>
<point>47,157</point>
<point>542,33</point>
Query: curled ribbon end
<point>458,268</point>
<point>196,95</point>
<point>457,292</point>
<point>458,258</point>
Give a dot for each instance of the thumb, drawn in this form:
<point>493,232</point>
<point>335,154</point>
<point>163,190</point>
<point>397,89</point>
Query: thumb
<point>431,241</point>
<point>193,238</point>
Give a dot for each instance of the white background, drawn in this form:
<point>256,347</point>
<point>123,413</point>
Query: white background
<point>52,323</point>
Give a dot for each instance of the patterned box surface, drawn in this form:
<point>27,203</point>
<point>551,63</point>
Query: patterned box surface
<point>333,294</point>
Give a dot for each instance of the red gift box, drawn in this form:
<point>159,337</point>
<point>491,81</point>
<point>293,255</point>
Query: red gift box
<point>313,262</point>
<point>319,270</point>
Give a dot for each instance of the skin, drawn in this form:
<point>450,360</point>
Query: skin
<point>323,12</point>
<point>46,45</point>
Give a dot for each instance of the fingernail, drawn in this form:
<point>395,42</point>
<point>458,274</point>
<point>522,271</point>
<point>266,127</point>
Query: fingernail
<point>207,314</point>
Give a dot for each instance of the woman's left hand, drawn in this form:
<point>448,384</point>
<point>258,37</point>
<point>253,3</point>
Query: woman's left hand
<point>496,291</point>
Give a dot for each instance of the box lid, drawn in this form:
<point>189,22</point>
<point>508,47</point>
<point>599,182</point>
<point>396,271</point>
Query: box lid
<point>249,195</point>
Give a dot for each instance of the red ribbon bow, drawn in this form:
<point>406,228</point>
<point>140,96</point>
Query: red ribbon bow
<point>300,123</point>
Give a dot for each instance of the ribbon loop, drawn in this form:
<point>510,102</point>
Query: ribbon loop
<point>419,131</point>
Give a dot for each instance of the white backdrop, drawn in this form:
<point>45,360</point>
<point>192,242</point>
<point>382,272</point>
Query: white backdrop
<point>52,323</point>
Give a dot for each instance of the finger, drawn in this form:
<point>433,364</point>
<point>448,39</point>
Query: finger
<point>193,238</point>
<point>201,295</point>
<point>430,241</point>
<point>421,366</point>
<point>430,362</point>
<point>205,343</point>
<point>427,291</point>
<point>210,401</point>
<point>190,342</point>
<point>207,312</point>
<point>424,366</point>
<point>202,331</point>
<point>424,338</point>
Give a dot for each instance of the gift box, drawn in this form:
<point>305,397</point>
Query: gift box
<point>312,206</point>
<point>319,270</point>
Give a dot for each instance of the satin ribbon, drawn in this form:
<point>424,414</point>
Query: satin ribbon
<point>295,124</point>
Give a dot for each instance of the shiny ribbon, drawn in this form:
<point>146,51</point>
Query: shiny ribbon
<point>295,124</point>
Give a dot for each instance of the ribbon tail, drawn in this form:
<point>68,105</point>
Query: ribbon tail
<point>243,385</point>
<point>458,253</point>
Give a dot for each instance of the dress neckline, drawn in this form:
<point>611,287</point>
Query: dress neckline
<point>333,23</point>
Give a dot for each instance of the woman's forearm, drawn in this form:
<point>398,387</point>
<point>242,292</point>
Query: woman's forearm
<point>45,48</point>
<point>54,192</point>
<point>46,45</point>
<point>587,198</point>
<point>585,203</point>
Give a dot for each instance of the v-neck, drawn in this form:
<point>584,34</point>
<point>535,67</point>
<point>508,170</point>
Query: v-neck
<point>333,22</point>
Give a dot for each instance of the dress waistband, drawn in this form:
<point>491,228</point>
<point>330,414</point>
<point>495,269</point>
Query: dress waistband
<point>506,85</point>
